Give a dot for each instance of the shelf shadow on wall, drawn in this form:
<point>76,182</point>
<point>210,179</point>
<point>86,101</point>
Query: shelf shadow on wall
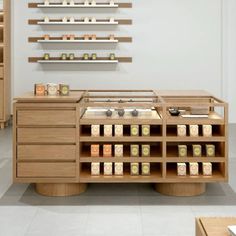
<point>84,28</point>
<point>78,46</point>
<point>76,11</point>
<point>78,67</point>
<point>120,194</point>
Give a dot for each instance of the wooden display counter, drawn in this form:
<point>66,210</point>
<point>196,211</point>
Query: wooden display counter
<point>214,226</point>
<point>63,143</point>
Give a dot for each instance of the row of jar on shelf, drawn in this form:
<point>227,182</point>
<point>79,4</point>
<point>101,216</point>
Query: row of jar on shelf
<point>107,151</point>
<point>72,19</point>
<point>84,37</point>
<point>194,130</point>
<point>117,130</point>
<point>86,56</point>
<point>194,169</point>
<point>197,150</point>
<point>108,170</point>
<point>72,2</point>
<point>136,169</point>
<point>51,89</point>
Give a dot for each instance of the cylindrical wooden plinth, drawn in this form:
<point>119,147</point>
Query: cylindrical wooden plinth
<point>181,189</point>
<point>60,190</point>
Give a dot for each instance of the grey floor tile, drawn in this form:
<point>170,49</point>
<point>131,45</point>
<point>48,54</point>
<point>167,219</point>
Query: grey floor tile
<point>15,220</point>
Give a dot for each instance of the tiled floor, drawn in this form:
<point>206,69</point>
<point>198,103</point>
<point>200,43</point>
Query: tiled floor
<point>120,209</point>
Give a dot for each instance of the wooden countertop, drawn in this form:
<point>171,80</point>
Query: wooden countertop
<point>74,97</point>
<point>214,226</point>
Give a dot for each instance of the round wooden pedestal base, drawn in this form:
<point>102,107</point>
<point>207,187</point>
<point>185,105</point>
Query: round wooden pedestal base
<point>60,190</point>
<point>181,189</point>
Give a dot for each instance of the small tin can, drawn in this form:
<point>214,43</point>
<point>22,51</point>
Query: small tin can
<point>112,56</point>
<point>72,56</point>
<point>182,150</point>
<point>95,168</point>
<point>46,37</point>
<point>63,56</point>
<point>86,56</point>
<point>93,37</point>
<point>52,89</point>
<point>112,37</point>
<point>46,56</point>
<point>72,37</point>
<point>64,89</point>
<point>134,168</point>
<point>134,150</point>
<point>119,169</point>
<point>94,56</point>
<point>145,168</point>
<point>197,150</point>
<point>64,37</point>
<point>108,168</point>
<point>39,89</point>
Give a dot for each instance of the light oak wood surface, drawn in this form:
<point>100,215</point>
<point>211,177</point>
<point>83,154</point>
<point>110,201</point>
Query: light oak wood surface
<point>46,135</point>
<point>46,117</point>
<point>46,153</point>
<point>214,226</point>
<point>60,190</point>
<point>46,170</point>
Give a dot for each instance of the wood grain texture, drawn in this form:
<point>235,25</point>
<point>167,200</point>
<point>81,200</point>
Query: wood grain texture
<point>120,5</point>
<point>214,226</point>
<point>46,153</point>
<point>46,117</point>
<point>120,59</point>
<point>46,135</point>
<point>41,22</point>
<point>120,39</point>
<point>46,170</point>
<point>5,67</point>
<point>60,190</point>
<point>181,189</point>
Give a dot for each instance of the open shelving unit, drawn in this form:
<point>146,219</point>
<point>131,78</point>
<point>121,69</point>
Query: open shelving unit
<point>5,64</point>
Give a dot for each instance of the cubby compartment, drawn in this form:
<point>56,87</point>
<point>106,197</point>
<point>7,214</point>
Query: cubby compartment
<point>155,131</point>
<point>172,148</point>
<point>155,149</point>
<point>216,130</point>
<point>218,171</point>
<point>155,175</point>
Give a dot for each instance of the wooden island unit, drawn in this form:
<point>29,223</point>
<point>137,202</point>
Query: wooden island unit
<point>53,139</point>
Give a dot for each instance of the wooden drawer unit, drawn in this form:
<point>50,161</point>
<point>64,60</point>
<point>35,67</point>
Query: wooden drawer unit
<point>1,99</point>
<point>46,152</point>
<point>46,170</point>
<point>46,135</point>
<point>46,117</point>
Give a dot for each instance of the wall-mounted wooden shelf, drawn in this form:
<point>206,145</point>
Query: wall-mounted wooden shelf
<point>79,60</point>
<point>80,22</point>
<point>80,5</point>
<point>80,40</point>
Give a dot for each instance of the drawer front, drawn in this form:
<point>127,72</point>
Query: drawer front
<point>1,72</point>
<point>46,117</point>
<point>1,99</point>
<point>46,170</point>
<point>46,152</point>
<point>46,135</point>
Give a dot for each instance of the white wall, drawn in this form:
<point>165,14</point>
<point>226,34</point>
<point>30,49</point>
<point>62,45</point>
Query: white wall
<point>177,44</point>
